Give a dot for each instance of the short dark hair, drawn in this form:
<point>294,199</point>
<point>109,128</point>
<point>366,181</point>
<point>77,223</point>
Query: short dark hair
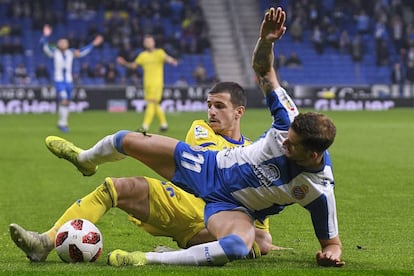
<point>316,130</point>
<point>237,93</point>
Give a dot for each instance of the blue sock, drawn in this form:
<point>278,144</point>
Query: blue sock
<point>118,138</point>
<point>234,247</point>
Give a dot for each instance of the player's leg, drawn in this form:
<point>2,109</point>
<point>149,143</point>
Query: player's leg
<point>148,115</point>
<point>159,112</point>
<point>155,151</point>
<point>63,99</point>
<point>182,216</point>
<point>91,207</point>
<point>149,94</point>
<point>161,117</point>
<point>236,232</point>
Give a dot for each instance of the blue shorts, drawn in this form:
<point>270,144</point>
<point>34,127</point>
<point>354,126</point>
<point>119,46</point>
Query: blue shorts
<point>197,173</point>
<point>63,90</point>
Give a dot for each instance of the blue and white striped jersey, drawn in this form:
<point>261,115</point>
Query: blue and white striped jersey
<point>63,60</point>
<point>259,177</point>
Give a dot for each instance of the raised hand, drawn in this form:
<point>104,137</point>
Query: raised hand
<point>47,30</point>
<point>98,40</point>
<point>273,24</point>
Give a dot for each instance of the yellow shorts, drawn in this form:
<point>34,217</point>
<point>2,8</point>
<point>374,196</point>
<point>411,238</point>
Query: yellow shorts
<point>153,93</point>
<point>173,212</point>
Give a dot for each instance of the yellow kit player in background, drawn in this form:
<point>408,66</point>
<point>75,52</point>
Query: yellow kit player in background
<point>182,215</point>
<point>152,62</point>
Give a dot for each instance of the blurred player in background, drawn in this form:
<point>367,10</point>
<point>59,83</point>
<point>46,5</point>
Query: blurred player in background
<point>63,57</point>
<point>152,61</point>
<point>182,217</point>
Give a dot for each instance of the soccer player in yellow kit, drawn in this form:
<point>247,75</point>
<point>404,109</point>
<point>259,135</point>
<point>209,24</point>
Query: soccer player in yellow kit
<point>152,61</point>
<point>182,216</point>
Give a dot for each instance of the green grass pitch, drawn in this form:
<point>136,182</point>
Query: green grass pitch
<point>373,159</point>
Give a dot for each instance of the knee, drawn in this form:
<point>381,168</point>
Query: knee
<point>234,247</point>
<point>130,186</point>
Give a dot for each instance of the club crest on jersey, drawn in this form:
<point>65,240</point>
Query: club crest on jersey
<point>299,192</point>
<point>267,174</point>
<point>200,132</point>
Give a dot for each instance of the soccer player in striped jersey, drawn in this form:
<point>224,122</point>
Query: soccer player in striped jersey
<point>141,197</point>
<point>63,57</point>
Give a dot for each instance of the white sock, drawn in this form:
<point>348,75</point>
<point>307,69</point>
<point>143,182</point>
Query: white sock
<point>103,151</point>
<point>203,254</point>
<point>63,115</point>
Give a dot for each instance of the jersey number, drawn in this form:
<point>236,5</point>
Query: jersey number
<point>195,166</point>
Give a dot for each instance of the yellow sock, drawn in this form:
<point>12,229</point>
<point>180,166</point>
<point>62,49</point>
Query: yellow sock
<point>149,114</point>
<point>91,207</point>
<point>161,115</point>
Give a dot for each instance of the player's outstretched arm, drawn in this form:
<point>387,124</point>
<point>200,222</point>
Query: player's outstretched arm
<point>271,29</point>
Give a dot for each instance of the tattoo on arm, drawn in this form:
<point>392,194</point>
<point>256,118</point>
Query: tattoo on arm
<point>263,63</point>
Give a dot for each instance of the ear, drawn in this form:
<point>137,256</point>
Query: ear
<point>240,111</point>
<point>314,155</point>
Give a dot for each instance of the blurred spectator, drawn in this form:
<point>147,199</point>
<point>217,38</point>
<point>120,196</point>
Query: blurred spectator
<point>398,76</point>
<point>6,47</point>
<point>296,29</point>
<point>280,61</point>
<point>313,15</point>
<point>318,40</point>
<point>181,82</point>
<point>85,71</point>
<point>356,48</point>
<point>397,32</point>
<point>410,54</point>
<point>363,24</point>
<point>293,61</point>
<point>344,42</point>
<point>382,53</point>
<point>20,76</point>
<point>332,37</point>
<point>200,74</point>
<point>42,74</point>
<point>1,71</point>
<point>17,46</point>
<point>112,74</point>
<point>99,71</point>
<point>410,72</point>
<point>4,30</point>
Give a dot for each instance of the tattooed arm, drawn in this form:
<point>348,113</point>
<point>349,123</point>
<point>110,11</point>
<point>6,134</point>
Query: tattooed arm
<point>272,29</point>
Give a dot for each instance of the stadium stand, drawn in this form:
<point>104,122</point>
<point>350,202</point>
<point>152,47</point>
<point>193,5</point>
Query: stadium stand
<point>350,51</point>
<point>178,25</point>
<point>381,22</point>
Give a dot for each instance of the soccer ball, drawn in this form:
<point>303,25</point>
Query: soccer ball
<point>78,240</point>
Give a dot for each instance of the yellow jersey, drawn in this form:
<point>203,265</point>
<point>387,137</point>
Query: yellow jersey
<point>152,64</point>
